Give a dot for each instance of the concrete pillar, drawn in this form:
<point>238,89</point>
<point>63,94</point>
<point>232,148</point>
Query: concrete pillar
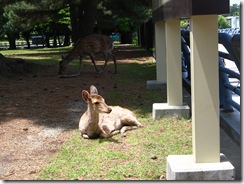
<point>160,51</point>
<point>173,60</point>
<point>206,162</point>
<point>174,105</point>
<point>160,57</point>
<point>205,88</point>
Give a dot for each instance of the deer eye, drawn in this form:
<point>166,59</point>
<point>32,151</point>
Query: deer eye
<point>96,103</point>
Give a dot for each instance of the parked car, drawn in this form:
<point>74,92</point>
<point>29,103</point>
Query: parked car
<point>115,36</point>
<point>36,40</point>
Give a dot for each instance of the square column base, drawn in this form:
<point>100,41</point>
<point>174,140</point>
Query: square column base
<point>183,167</point>
<point>154,84</point>
<point>164,110</point>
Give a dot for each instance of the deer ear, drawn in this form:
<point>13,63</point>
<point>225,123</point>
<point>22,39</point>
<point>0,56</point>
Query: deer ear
<point>93,90</point>
<point>85,95</point>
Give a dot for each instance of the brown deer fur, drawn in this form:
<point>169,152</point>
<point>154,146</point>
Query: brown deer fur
<point>90,45</point>
<point>101,120</point>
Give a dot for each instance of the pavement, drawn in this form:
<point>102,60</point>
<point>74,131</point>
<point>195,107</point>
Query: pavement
<point>232,151</point>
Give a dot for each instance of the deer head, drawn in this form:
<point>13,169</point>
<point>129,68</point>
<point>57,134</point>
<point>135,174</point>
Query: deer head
<point>95,102</point>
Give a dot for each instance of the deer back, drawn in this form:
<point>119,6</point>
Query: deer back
<point>90,45</point>
<point>96,44</point>
<point>118,118</point>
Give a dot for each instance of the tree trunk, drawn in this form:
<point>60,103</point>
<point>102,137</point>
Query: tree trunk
<point>126,38</point>
<point>82,17</point>
<point>66,40</point>
<point>87,17</point>
<point>11,40</point>
<point>74,8</point>
<point>26,35</point>
<point>47,39</point>
<point>55,38</point>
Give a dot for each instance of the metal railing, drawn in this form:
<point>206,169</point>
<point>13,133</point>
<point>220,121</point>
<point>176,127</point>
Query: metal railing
<point>232,45</point>
<point>226,88</point>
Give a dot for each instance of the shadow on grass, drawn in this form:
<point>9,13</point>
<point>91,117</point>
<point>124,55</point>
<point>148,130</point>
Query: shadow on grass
<point>45,99</point>
<point>110,139</point>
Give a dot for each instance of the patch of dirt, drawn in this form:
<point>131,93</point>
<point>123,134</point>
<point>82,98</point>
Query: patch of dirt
<point>40,112</point>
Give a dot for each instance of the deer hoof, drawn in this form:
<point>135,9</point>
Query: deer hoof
<point>85,136</point>
<point>140,126</point>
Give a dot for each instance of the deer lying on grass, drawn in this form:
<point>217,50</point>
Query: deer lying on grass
<point>101,120</point>
<point>90,45</point>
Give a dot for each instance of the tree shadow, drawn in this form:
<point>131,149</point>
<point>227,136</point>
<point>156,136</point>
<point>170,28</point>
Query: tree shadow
<point>44,99</point>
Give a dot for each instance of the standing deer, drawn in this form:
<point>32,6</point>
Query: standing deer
<point>101,120</point>
<point>90,45</point>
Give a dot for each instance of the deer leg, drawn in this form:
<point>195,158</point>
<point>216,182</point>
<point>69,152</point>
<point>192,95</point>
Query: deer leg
<point>106,61</point>
<point>80,64</point>
<point>126,128</point>
<point>136,123</point>
<point>107,56</point>
<point>85,136</point>
<point>114,59</point>
<point>131,121</point>
<point>115,132</point>
<point>106,132</point>
<point>94,62</point>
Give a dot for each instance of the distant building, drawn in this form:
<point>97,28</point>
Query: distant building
<point>233,21</point>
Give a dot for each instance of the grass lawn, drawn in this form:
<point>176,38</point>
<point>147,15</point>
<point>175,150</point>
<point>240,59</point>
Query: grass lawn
<point>140,155</point>
<point>137,155</point>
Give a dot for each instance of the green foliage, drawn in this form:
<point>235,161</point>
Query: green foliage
<point>125,16</point>
<point>125,25</point>
<point>24,15</point>
<point>64,16</point>
<point>8,25</point>
<point>235,10</point>
<point>184,23</point>
<point>222,22</point>
<point>135,41</point>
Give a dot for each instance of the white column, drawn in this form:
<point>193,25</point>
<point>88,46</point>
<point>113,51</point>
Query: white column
<point>205,88</point>
<point>160,51</point>
<point>173,60</point>
<point>172,55</point>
